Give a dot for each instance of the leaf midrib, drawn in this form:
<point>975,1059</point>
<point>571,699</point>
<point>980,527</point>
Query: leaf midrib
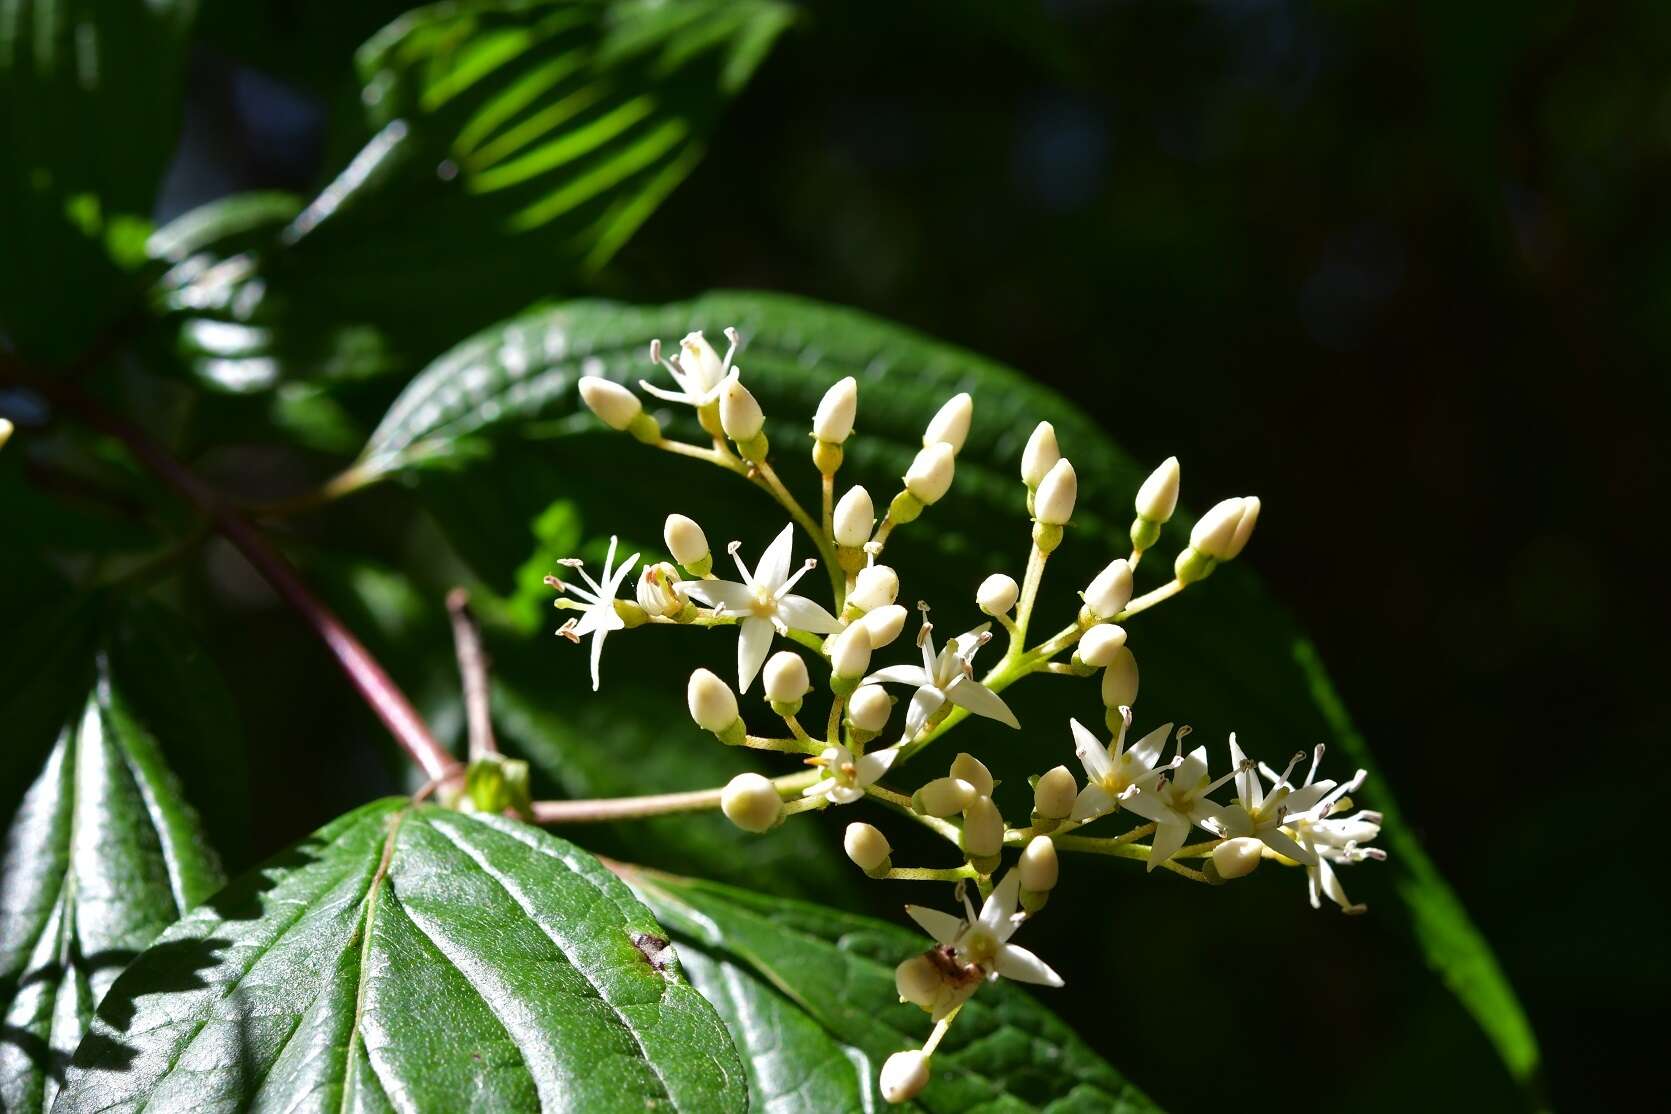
<point>394,822</point>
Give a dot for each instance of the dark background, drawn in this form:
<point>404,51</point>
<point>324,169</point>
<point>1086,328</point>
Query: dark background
<point>1401,269</point>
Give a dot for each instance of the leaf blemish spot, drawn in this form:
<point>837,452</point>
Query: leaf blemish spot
<point>656,950</point>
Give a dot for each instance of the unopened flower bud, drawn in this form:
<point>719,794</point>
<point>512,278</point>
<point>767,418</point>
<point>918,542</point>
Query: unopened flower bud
<point>930,474</point>
<point>611,402</point>
<point>875,586</point>
<point>868,708</point>
<point>712,703</point>
<point>1038,866</point>
<point>1040,455</point>
<point>655,590</point>
<point>1109,592</point>
<point>997,594</point>
<point>1237,857</point>
<point>5,432</point>
<point>1053,505</point>
<point>786,678</point>
<point>973,771</point>
<point>1158,497</point>
<point>1244,527</point>
<point>688,544</point>
<point>850,654</point>
<point>904,1075</point>
<point>1215,531</point>
<point>1098,645</point>
<point>834,421</point>
<point>739,414</point>
<point>944,796</point>
<point>1055,793</point>
<point>884,624</point>
<point>919,982</point>
<point>854,518</point>
<point>1119,680</point>
<point>983,829</point>
<point>950,425</point>
<point>751,802</point>
<point>868,848</point>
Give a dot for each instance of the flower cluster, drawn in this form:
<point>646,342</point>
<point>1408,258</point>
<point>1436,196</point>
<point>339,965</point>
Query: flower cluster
<point>1308,825</point>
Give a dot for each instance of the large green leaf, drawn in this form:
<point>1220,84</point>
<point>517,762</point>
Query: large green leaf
<point>1224,655</point>
<point>102,854</point>
<point>411,958</point>
<point>808,994</point>
<point>91,96</point>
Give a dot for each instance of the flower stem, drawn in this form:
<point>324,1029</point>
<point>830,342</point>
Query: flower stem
<point>902,804</point>
<point>472,672</point>
<point>655,804</point>
<point>767,476</point>
<point>930,873</point>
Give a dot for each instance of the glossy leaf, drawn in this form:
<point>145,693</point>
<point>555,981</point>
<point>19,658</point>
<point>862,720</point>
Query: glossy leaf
<point>808,994</point>
<point>102,854</point>
<point>411,958</point>
<point>1224,654</point>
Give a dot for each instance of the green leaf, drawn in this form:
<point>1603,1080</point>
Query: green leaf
<point>808,994</point>
<point>102,854</point>
<point>1225,654</point>
<point>413,958</point>
<point>70,71</point>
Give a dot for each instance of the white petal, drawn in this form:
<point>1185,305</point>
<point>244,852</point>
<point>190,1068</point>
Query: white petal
<point>773,568</point>
<point>1170,835</point>
<point>1093,800</point>
<point>665,395</point>
<point>1247,780</point>
<point>970,641</point>
<point>944,927</point>
<point>1147,804</point>
<point>819,788</point>
<point>1092,754</point>
<point>597,656</point>
<point>800,613</point>
<point>845,794</point>
<point>1000,906</point>
<point>727,594</point>
<point>1282,845</point>
<point>752,646</point>
<point>872,766</point>
<point>900,675</point>
<point>971,694</point>
<point>1236,821</point>
<point>924,703</point>
<point>1021,965</point>
<point>1147,750</point>
<point>1304,800</point>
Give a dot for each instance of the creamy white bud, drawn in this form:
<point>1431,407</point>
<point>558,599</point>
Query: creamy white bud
<point>712,703</point>
<point>973,771</point>
<point>1215,531</point>
<point>5,432</point>
<point>610,401</point>
<point>983,828</point>
<point>944,796</point>
<point>950,425</point>
<point>866,846</point>
<point>854,518</point>
<point>1237,857</point>
<point>919,982</point>
<point>1098,645</point>
<point>997,594</point>
<point>930,474</point>
<point>685,540</point>
<point>884,624</point>
<point>697,357</point>
<point>904,1075</point>
<point>875,586</point>
<point>836,410</point>
<point>1055,793</point>
<point>655,590</point>
<point>1158,497</point>
<point>1038,866</point>
<point>1110,591</point>
<point>1040,455</point>
<point>868,708</point>
<point>850,654</point>
<point>1119,680</point>
<point>786,677</point>
<point>751,802</point>
<point>1058,491</point>
<point>739,413</point>
<point>1244,527</point>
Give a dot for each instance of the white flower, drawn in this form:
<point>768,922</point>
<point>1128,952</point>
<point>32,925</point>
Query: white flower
<point>1177,803</point>
<point>1262,816</point>
<point>983,939</point>
<point>763,603</point>
<point>600,617</point>
<point>1113,773</point>
<point>698,370</point>
<point>845,776</point>
<point>946,676</point>
<point>1329,839</point>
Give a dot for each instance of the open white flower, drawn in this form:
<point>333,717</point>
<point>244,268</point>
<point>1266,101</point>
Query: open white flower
<point>845,776</point>
<point>698,370</point>
<point>948,675</point>
<point>982,939</point>
<point>763,603</point>
<point>1177,803</point>
<point>1262,816</point>
<point>600,616</point>
<point>1113,773</point>
<point>1326,838</point>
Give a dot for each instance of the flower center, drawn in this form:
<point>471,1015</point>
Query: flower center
<point>978,945</point>
<point>764,605</point>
